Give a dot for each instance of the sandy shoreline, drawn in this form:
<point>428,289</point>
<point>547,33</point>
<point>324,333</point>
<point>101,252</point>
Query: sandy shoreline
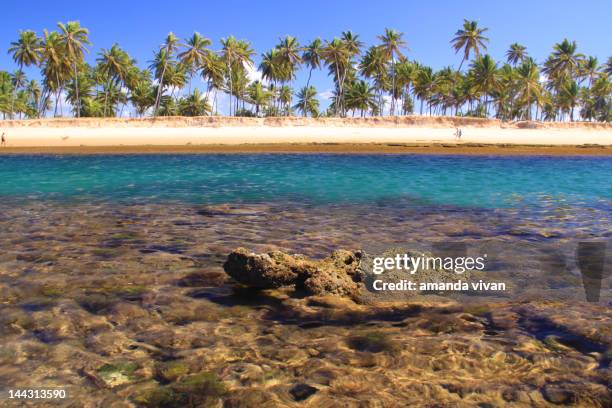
<point>349,135</point>
<point>325,148</point>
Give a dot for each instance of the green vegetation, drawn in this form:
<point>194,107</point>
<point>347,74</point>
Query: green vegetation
<point>96,302</point>
<point>171,371</point>
<point>52,291</point>
<point>477,310</point>
<point>161,397</point>
<point>117,373</point>
<point>366,81</point>
<point>374,342</point>
<point>199,390</point>
<point>125,291</point>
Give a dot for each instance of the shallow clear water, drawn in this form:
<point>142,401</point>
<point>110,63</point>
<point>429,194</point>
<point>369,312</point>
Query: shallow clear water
<point>467,181</point>
<point>116,261</point>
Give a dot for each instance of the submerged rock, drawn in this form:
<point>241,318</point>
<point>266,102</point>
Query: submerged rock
<point>263,271</point>
<point>302,391</point>
<point>339,274</point>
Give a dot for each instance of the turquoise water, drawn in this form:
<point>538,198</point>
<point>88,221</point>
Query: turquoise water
<point>465,181</point>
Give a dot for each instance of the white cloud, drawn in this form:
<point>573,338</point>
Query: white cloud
<point>327,94</point>
<point>174,90</point>
<point>254,75</point>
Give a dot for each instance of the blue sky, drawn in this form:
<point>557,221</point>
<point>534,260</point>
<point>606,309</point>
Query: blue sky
<point>140,26</point>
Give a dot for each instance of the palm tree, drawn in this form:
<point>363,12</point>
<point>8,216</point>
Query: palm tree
<point>236,54</point>
<point>6,94</point>
<point>271,69</point>
<point>195,104</point>
<point>608,66</point>
<point>589,69</point>
<point>213,72</point>
<point>83,86</point>
<point>34,92</point>
<point>176,77</point>
<point>564,61</point>
<point>516,53</point>
<point>461,93</point>
<point>312,57</point>
<point>289,53</point>
<point>374,65</point>
<point>258,95</point>
<point>288,57</point>
<point>601,97</point>
<point>195,53</point>
<point>168,106</point>
<point>285,94</point>
<point>513,91</point>
<point>562,67</point>
<point>164,55</point>
<point>142,94</point>
<point>337,56</point>
<point>484,77</point>
<point>25,51</point>
<point>55,66</point>
<point>442,90</point>
<point>18,79</point>
<point>405,73</point>
<point>470,38</point>
<point>353,44</point>
<point>74,39</point>
<point>568,98</point>
<point>423,86</point>
<point>307,102</point>
<point>114,64</point>
<point>361,96</point>
<point>392,44</point>
<point>528,83</point>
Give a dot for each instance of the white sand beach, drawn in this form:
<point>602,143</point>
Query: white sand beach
<point>232,131</point>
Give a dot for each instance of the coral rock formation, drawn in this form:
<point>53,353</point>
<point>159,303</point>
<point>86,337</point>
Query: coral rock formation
<point>339,274</point>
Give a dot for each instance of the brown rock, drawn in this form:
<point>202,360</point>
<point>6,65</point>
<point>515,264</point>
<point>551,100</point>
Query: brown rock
<point>337,275</point>
<point>263,271</point>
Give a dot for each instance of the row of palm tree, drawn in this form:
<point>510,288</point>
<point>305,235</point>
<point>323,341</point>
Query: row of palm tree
<point>376,80</point>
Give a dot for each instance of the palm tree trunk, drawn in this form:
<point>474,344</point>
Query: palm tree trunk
<point>15,91</point>
<point>76,89</point>
<point>528,103</point>
<point>461,64</point>
<point>309,75</point>
<point>208,86</point>
<point>61,105</point>
<point>106,98</point>
<point>159,89</point>
<point>392,110</point>
<point>230,84</point>
<point>56,102</point>
<point>342,92</point>
<point>339,88</point>
<point>42,102</point>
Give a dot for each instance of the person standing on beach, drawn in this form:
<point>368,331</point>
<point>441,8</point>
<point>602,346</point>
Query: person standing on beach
<point>458,134</point>
<point>3,140</point>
